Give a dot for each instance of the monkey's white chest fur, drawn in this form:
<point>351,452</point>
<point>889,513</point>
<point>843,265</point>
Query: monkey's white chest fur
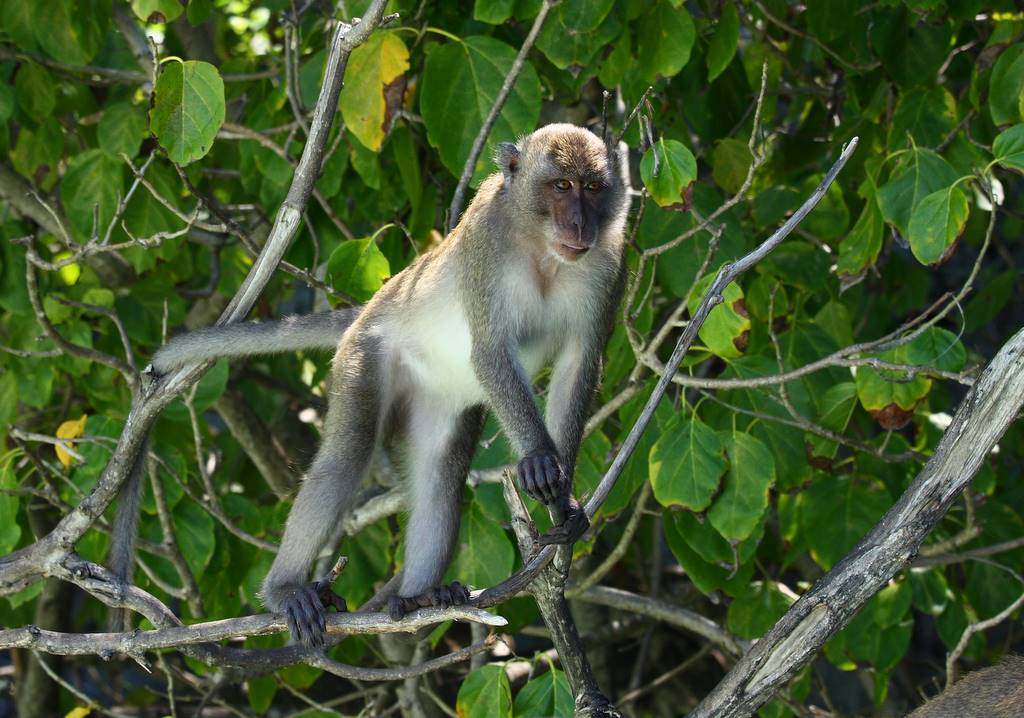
<point>435,349</point>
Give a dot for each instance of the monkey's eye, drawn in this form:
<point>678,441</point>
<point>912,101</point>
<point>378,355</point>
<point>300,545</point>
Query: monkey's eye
<point>563,185</point>
<point>593,186</point>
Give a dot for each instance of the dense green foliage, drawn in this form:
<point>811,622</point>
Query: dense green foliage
<point>756,487</point>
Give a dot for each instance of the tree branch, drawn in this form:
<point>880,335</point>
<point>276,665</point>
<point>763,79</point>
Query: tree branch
<point>983,416</point>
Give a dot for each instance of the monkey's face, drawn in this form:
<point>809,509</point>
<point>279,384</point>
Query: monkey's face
<point>575,209</point>
<point>563,176</point>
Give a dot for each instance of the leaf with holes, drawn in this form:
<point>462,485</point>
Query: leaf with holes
<point>188,109</point>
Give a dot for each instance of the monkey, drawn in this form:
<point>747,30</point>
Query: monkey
<point>993,692</point>
<point>530,276</point>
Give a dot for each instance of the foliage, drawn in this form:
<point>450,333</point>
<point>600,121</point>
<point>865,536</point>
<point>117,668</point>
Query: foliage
<point>764,474</point>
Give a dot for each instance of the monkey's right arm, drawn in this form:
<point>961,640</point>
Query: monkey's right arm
<point>294,333</point>
<point>511,398</point>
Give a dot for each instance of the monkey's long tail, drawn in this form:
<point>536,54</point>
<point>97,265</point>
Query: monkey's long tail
<point>121,558</point>
<point>322,330</point>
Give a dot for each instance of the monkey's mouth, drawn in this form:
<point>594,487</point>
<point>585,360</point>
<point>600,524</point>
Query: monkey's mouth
<point>572,251</point>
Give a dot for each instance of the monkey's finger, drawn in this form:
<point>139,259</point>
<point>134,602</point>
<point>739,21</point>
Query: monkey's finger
<point>460,594</point>
<point>395,609</point>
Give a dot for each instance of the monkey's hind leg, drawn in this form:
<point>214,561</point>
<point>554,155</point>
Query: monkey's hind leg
<point>328,491</point>
<point>440,448</point>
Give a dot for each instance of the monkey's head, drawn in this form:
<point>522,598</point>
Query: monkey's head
<point>566,180</point>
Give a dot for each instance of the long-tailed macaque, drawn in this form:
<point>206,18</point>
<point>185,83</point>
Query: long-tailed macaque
<point>993,692</point>
<point>530,276</point>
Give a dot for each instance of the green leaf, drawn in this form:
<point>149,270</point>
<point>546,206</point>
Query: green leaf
<point>7,102</point>
<point>731,161</point>
<point>919,173</point>
<point>687,463</point>
<point>546,695</point>
<point>157,11</point>
<point>677,171</point>
<point>936,224</point>
<point>668,35</point>
<point>93,179</point>
<point>122,129</point>
<point>188,109</point>
<point>485,554</point>
<point>193,527</point>
<point>18,19</point>
<point>577,30</point>
<point>725,330</point>
<point>10,531</point>
<point>836,512</point>
<point>37,149</point>
<point>72,31</point>
<point>935,347</point>
<point>754,613</point>
<point>859,250</point>
<point>8,398</point>
<point>358,268</point>
<point>1006,85</point>
<point>892,604</point>
<point>493,12</point>
<point>460,82</point>
<point>372,68</point>
<point>485,693</point>
<point>1008,148</point>
<point>926,114</point>
<point>708,559</point>
<point>34,90</point>
<point>199,11</point>
<point>737,511</point>
<point>722,47</point>
<point>210,388</point>
<point>260,692</point>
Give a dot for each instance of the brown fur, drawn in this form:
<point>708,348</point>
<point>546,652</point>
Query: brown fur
<point>994,692</point>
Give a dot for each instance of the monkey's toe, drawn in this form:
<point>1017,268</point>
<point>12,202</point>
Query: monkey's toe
<point>307,620</point>
<point>540,476</point>
<point>570,530</point>
<point>443,596</point>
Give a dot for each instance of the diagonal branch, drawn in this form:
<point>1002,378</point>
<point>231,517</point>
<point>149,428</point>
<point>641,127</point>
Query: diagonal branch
<point>983,416</point>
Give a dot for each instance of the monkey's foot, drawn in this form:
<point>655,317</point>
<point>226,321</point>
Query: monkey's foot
<point>306,612</point>
<point>444,596</point>
<point>573,526</point>
<point>541,476</point>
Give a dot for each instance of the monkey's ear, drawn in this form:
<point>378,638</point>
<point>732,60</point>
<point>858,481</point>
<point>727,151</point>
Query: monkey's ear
<point>507,158</point>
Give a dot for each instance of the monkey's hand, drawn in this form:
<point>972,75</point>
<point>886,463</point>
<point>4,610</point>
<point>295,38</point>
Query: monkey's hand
<point>574,524</point>
<point>306,612</point>
<point>541,476</point>
<point>444,596</point>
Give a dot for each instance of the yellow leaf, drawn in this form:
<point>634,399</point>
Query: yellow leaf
<point>78,711</point>
<point>69,430</point>
<point>364,101</point>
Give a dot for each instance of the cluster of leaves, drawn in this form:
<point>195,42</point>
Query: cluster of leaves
<point>752,473</point>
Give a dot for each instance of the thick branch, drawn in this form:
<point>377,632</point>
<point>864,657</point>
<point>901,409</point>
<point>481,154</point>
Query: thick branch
<point>134,642</point>
<point>985,413</point>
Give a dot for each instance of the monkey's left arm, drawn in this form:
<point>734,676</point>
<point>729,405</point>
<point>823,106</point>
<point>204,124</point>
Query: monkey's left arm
<point>575,376</point>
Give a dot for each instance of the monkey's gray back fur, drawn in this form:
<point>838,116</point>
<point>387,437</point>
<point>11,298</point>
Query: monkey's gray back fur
<point>292,333</point>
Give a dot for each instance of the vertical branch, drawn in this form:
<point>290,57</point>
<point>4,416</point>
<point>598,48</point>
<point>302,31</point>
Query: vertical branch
<point>485,130</point>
